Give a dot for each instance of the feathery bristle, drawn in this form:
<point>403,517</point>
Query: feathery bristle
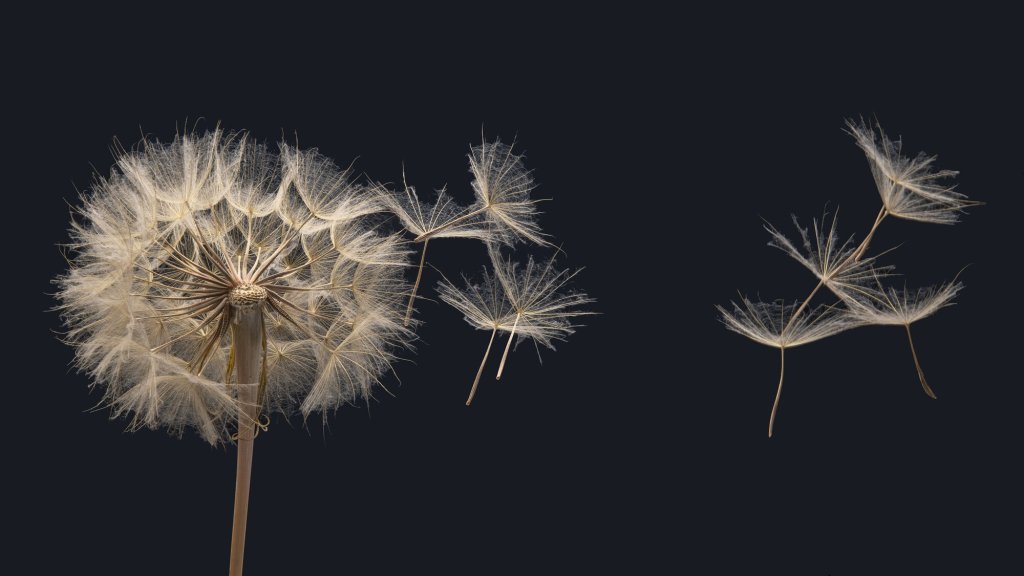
<point>911,188</point>
<point>887,305</point>
<point>774,324</point>
<point>502,185</point>
<point>832,260</point>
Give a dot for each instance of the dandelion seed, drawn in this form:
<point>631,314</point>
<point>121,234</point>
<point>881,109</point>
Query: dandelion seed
<point>890,306</point>
<point>216,281</point>
<point>543,310</point>
<point>502,185</point>
<point>835,262</point>
<point>503,211</point>
<point>911,188</point>
<point>781,326</point>
<point>527,302</point>
<point>485,306</point>
<point>443,218</point>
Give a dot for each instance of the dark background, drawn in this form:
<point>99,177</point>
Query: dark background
<point>640,445</point>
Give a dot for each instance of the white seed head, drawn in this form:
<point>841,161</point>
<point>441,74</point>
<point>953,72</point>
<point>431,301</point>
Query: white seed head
<point>184,236</point>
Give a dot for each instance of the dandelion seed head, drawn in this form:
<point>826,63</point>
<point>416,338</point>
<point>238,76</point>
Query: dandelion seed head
<point>183,237</point>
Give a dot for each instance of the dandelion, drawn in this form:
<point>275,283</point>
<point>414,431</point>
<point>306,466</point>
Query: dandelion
<point>442,218</point>
<point>889,306</point>
<point>502,186</point>
<point>529,302</point>
<point>485,306</point>
<point>911,189</point>
<point>216,281</point>
<point>781,326</point>
<point>836,264</point>
<point>503,211</point>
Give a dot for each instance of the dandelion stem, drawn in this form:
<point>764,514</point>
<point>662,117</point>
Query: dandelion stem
<point>416,285</point>
<point>247,340</point>
<point>871,233</point>
<point>853,257</point>
<point>511,336</point>
<point>778,393</point>
<point>476,381</point>
<point>920,372</point>
<point>427,235</point>
<point>803,305</point>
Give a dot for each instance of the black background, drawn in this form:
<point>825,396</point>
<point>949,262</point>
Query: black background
<point>640,445</point>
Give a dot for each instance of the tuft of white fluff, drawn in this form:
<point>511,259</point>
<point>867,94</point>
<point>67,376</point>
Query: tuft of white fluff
<point>779,325</point>
<point>541,300</point>
<point>911,188</point>
<point>835,262</point>
<point>160,244</point>
<point>502,186</point>
<point>891,306</point>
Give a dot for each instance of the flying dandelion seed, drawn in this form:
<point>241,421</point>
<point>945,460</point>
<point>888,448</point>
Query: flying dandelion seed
<point>837,264</point>
<point>910,189</point>
<point>543,310</point>
<point>503,211</point>
<point>528,301</point>
<point>442,218</point>
<point>216,281</point>
<point>889,306</point>
<point>781,326</point>
<point>485,306</point>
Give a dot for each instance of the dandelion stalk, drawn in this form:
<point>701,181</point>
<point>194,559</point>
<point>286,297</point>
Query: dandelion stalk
<point>247,341</point>
<point>803,305</point>
<point>778,392</point>
<point>416,285</point>
<point>917,365</point>
<point>882,213</point>
<point>480,371</point>
<point>511,336</point>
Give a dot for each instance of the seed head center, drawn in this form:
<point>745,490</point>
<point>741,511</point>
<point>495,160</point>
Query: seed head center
<point>245,296</point>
